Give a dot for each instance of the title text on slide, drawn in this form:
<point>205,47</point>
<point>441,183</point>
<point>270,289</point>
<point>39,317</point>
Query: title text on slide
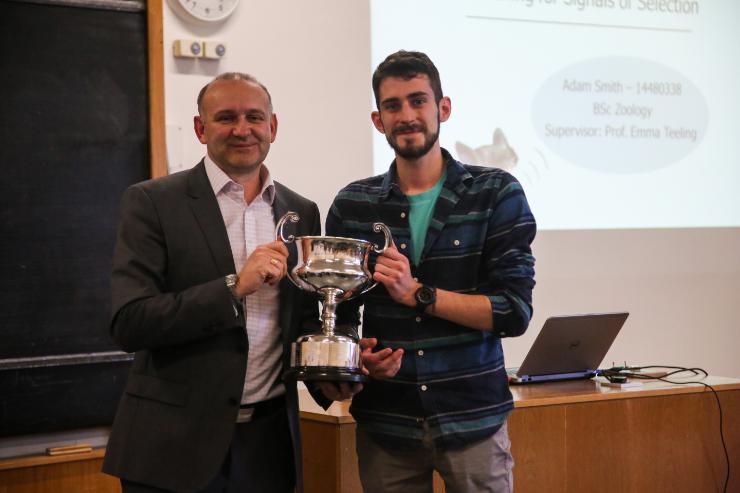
<point>686,7</point>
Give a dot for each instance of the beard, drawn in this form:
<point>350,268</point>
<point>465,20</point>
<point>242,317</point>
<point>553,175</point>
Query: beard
<point>413,151</point>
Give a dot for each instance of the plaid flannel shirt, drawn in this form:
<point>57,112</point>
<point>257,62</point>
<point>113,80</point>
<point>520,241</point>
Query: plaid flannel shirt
<point>452,382</point>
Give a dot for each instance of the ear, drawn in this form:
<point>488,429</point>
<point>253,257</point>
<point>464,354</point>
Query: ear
<point>499,139</point>
<point>200,129</point>
<point>445,108</point>
<point>375,117</point>
<point>273,127</point>
<point>465,153</point>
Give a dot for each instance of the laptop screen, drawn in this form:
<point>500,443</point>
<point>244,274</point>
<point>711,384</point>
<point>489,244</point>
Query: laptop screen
<point>571,346</point>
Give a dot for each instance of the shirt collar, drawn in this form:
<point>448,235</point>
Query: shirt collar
<point>219,180</point>
<point>456,176</point>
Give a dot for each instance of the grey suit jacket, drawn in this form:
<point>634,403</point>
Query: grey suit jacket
<point>171,306</point>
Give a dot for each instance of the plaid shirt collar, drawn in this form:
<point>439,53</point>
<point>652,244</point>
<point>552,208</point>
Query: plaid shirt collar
<point>457,178</point>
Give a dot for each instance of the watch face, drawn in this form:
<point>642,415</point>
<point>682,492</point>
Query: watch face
<point>425,295</point>
<point>231,280</point>
<point>205,10</point>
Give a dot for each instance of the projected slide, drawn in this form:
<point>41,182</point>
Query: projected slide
<point>612,113</point>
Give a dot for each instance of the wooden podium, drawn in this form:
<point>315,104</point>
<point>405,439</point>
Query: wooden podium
<point>576,437</point>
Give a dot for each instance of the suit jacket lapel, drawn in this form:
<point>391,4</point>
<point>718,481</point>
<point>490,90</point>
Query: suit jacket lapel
<point>205,208</point>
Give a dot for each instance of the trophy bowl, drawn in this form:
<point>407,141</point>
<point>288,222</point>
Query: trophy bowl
<point>336,270</point>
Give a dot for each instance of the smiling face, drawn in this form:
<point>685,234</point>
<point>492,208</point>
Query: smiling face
<point>237,125</point>
<point>409,116</point>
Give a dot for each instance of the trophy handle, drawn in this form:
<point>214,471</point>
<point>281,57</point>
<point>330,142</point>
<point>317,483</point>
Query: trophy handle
<point>288,216</point>
<point>380,227</point>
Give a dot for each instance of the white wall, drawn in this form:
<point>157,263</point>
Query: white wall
<point>682,287</point>
<point>314,58</point>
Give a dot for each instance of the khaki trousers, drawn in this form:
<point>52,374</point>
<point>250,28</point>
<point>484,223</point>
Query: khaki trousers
<point>484,466</point>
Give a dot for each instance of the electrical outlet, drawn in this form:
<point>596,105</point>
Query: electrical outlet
<point>187,48</point>
<point>214,50</point>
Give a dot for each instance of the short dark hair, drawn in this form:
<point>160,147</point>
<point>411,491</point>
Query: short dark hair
<point>407,65</point>
<point>234,76</point>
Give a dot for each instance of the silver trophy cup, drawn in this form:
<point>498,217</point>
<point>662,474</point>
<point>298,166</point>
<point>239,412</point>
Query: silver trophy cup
<point>336,270</point>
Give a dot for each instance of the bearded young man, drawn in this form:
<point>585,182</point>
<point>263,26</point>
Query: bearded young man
<point>458,280</point>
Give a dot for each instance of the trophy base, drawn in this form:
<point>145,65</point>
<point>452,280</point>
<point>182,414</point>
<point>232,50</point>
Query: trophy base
<point>326,373</point>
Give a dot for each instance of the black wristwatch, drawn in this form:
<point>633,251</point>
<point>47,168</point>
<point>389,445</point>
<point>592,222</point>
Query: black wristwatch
<point>425,296</point>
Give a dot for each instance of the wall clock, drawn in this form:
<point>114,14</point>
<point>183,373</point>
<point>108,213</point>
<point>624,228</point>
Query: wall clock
<point>208,11</point>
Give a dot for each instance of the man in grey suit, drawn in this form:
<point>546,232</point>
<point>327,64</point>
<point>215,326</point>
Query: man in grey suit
<point>199,293</point>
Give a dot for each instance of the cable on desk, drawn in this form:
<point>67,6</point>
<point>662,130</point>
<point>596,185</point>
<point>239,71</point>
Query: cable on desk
<point>621,373</point>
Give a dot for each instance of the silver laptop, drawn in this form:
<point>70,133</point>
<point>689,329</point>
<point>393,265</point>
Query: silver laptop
<point>569,347</point>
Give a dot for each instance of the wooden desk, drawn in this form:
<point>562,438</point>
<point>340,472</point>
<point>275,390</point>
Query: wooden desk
<point>64,473</point>
<point>329,458</point>
<point>566,437</point>
<point>577,437</point>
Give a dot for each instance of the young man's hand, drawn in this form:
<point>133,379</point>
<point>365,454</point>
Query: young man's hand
<point>393,271</point>
<point>379,364</point>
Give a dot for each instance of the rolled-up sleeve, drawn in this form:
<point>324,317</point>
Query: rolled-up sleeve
<point>509,261</point>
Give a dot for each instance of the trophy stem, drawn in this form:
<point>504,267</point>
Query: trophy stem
<point>329,309</point>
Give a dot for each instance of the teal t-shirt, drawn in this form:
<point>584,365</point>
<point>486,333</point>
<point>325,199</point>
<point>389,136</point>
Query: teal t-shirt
<point>420,214</point>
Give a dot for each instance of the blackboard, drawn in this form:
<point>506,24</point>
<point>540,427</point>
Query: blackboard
<point>73,135</point>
